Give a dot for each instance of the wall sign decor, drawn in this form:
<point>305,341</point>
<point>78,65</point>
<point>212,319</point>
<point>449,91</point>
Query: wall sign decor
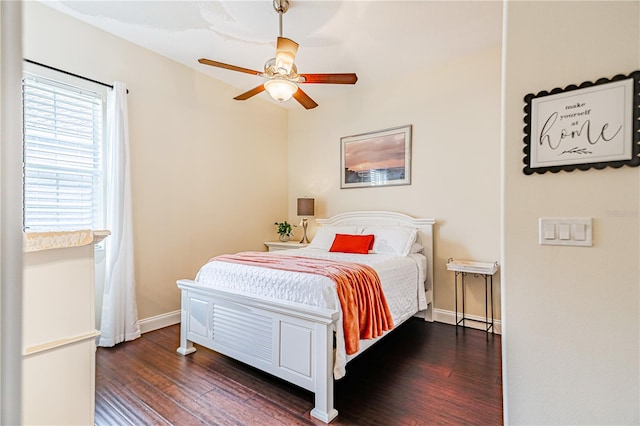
<point>380,158</point>
<point>594,125</point>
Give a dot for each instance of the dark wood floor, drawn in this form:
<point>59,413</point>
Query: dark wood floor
<point>422,374</point>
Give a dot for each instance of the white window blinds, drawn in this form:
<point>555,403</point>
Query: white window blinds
<point>63,136</point>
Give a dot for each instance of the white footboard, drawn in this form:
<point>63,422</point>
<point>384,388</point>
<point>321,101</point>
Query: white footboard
<point>289,340</point>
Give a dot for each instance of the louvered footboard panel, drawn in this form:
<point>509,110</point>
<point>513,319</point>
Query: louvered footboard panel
<point>245,332</point>
<point>276,343</point>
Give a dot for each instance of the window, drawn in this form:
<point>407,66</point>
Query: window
<point>63,146</point>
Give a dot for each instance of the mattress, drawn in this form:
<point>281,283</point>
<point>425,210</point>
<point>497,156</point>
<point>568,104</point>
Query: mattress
<point>402,280</point>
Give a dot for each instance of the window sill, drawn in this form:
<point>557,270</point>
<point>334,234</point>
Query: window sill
<point>38,241</point>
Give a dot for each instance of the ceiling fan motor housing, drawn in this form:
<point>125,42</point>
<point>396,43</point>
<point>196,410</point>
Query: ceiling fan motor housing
<point>271,70</point>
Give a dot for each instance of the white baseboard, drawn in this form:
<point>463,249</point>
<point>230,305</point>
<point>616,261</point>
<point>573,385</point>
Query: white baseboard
<point>159,321</point>
<point>449,317</point>
<point>439,315</point>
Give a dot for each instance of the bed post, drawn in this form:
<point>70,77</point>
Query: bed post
<point>323,373</point>
<point>186,346</point>
<point>426,229</point>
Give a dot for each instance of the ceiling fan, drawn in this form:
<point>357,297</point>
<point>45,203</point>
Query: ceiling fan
<point>281,73</point>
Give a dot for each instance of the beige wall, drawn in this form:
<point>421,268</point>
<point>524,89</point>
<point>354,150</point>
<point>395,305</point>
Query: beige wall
<point>455,112</point>
<point>209,174</point>
<point>571,317</point>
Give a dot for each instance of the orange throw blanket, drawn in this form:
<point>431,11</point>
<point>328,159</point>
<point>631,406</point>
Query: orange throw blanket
<point>365,314</point>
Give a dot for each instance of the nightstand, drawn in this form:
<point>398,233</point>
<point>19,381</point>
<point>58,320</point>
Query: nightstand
<point>284,245</point>
<point>479,269</point>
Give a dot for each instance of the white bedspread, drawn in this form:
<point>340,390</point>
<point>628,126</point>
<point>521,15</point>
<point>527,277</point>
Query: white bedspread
<point>402,280</point>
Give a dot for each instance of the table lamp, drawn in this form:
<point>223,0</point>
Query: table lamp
<point>305,208</point>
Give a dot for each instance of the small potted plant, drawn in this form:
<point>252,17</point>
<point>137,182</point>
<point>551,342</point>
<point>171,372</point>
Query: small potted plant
<point>285,230</point>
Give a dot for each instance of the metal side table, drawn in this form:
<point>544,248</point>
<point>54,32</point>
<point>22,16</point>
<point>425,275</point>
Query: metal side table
<point>479,269</point>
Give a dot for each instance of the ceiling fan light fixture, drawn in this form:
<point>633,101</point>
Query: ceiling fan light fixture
<point>280,90</point>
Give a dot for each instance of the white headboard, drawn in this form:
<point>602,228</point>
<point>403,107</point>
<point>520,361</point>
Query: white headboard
<point>423,225</point>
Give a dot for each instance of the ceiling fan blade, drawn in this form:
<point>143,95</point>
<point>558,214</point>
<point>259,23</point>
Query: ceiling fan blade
<point>304,99</point>
<point>250,93</point>
<point>228,67</point>
<point>286,50</point>
<point>347,78</point>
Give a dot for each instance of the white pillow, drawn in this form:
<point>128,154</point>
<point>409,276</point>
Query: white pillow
<point>416,248</point>
<point>326,234</point>
<point>396,240</point>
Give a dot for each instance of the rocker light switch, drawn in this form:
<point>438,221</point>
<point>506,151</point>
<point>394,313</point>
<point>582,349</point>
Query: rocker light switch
<point>564,231</point>
<point>549,231</point>
<point>579,233</point>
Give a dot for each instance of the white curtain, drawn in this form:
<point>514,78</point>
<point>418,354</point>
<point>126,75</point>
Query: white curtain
<point>119,311</point>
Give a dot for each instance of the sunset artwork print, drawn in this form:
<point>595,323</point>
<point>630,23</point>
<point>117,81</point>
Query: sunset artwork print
<point>377,159</point>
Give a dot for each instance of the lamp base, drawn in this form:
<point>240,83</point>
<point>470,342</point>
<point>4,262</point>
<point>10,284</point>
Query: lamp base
<point>304,239</point>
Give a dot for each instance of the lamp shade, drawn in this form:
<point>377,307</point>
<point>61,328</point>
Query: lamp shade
<point>306,206</point>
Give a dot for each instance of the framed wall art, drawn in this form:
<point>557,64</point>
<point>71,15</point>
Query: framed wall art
<point>593,125</point>
<point>380,158</point>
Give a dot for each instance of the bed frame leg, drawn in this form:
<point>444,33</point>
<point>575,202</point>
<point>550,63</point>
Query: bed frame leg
<point>186,348</point>
<point>324,416</point>
<point>324,375</point>
<point>428,314</point>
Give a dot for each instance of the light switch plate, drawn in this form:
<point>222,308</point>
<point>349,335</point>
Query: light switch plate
<point>565,231</point>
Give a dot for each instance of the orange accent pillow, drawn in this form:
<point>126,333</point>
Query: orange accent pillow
<point>346,243</point>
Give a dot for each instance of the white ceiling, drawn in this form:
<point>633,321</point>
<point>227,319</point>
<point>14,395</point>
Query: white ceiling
<point>378,40</point>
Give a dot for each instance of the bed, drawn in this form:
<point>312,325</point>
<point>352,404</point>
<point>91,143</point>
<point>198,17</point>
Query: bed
<point>297,336</point>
